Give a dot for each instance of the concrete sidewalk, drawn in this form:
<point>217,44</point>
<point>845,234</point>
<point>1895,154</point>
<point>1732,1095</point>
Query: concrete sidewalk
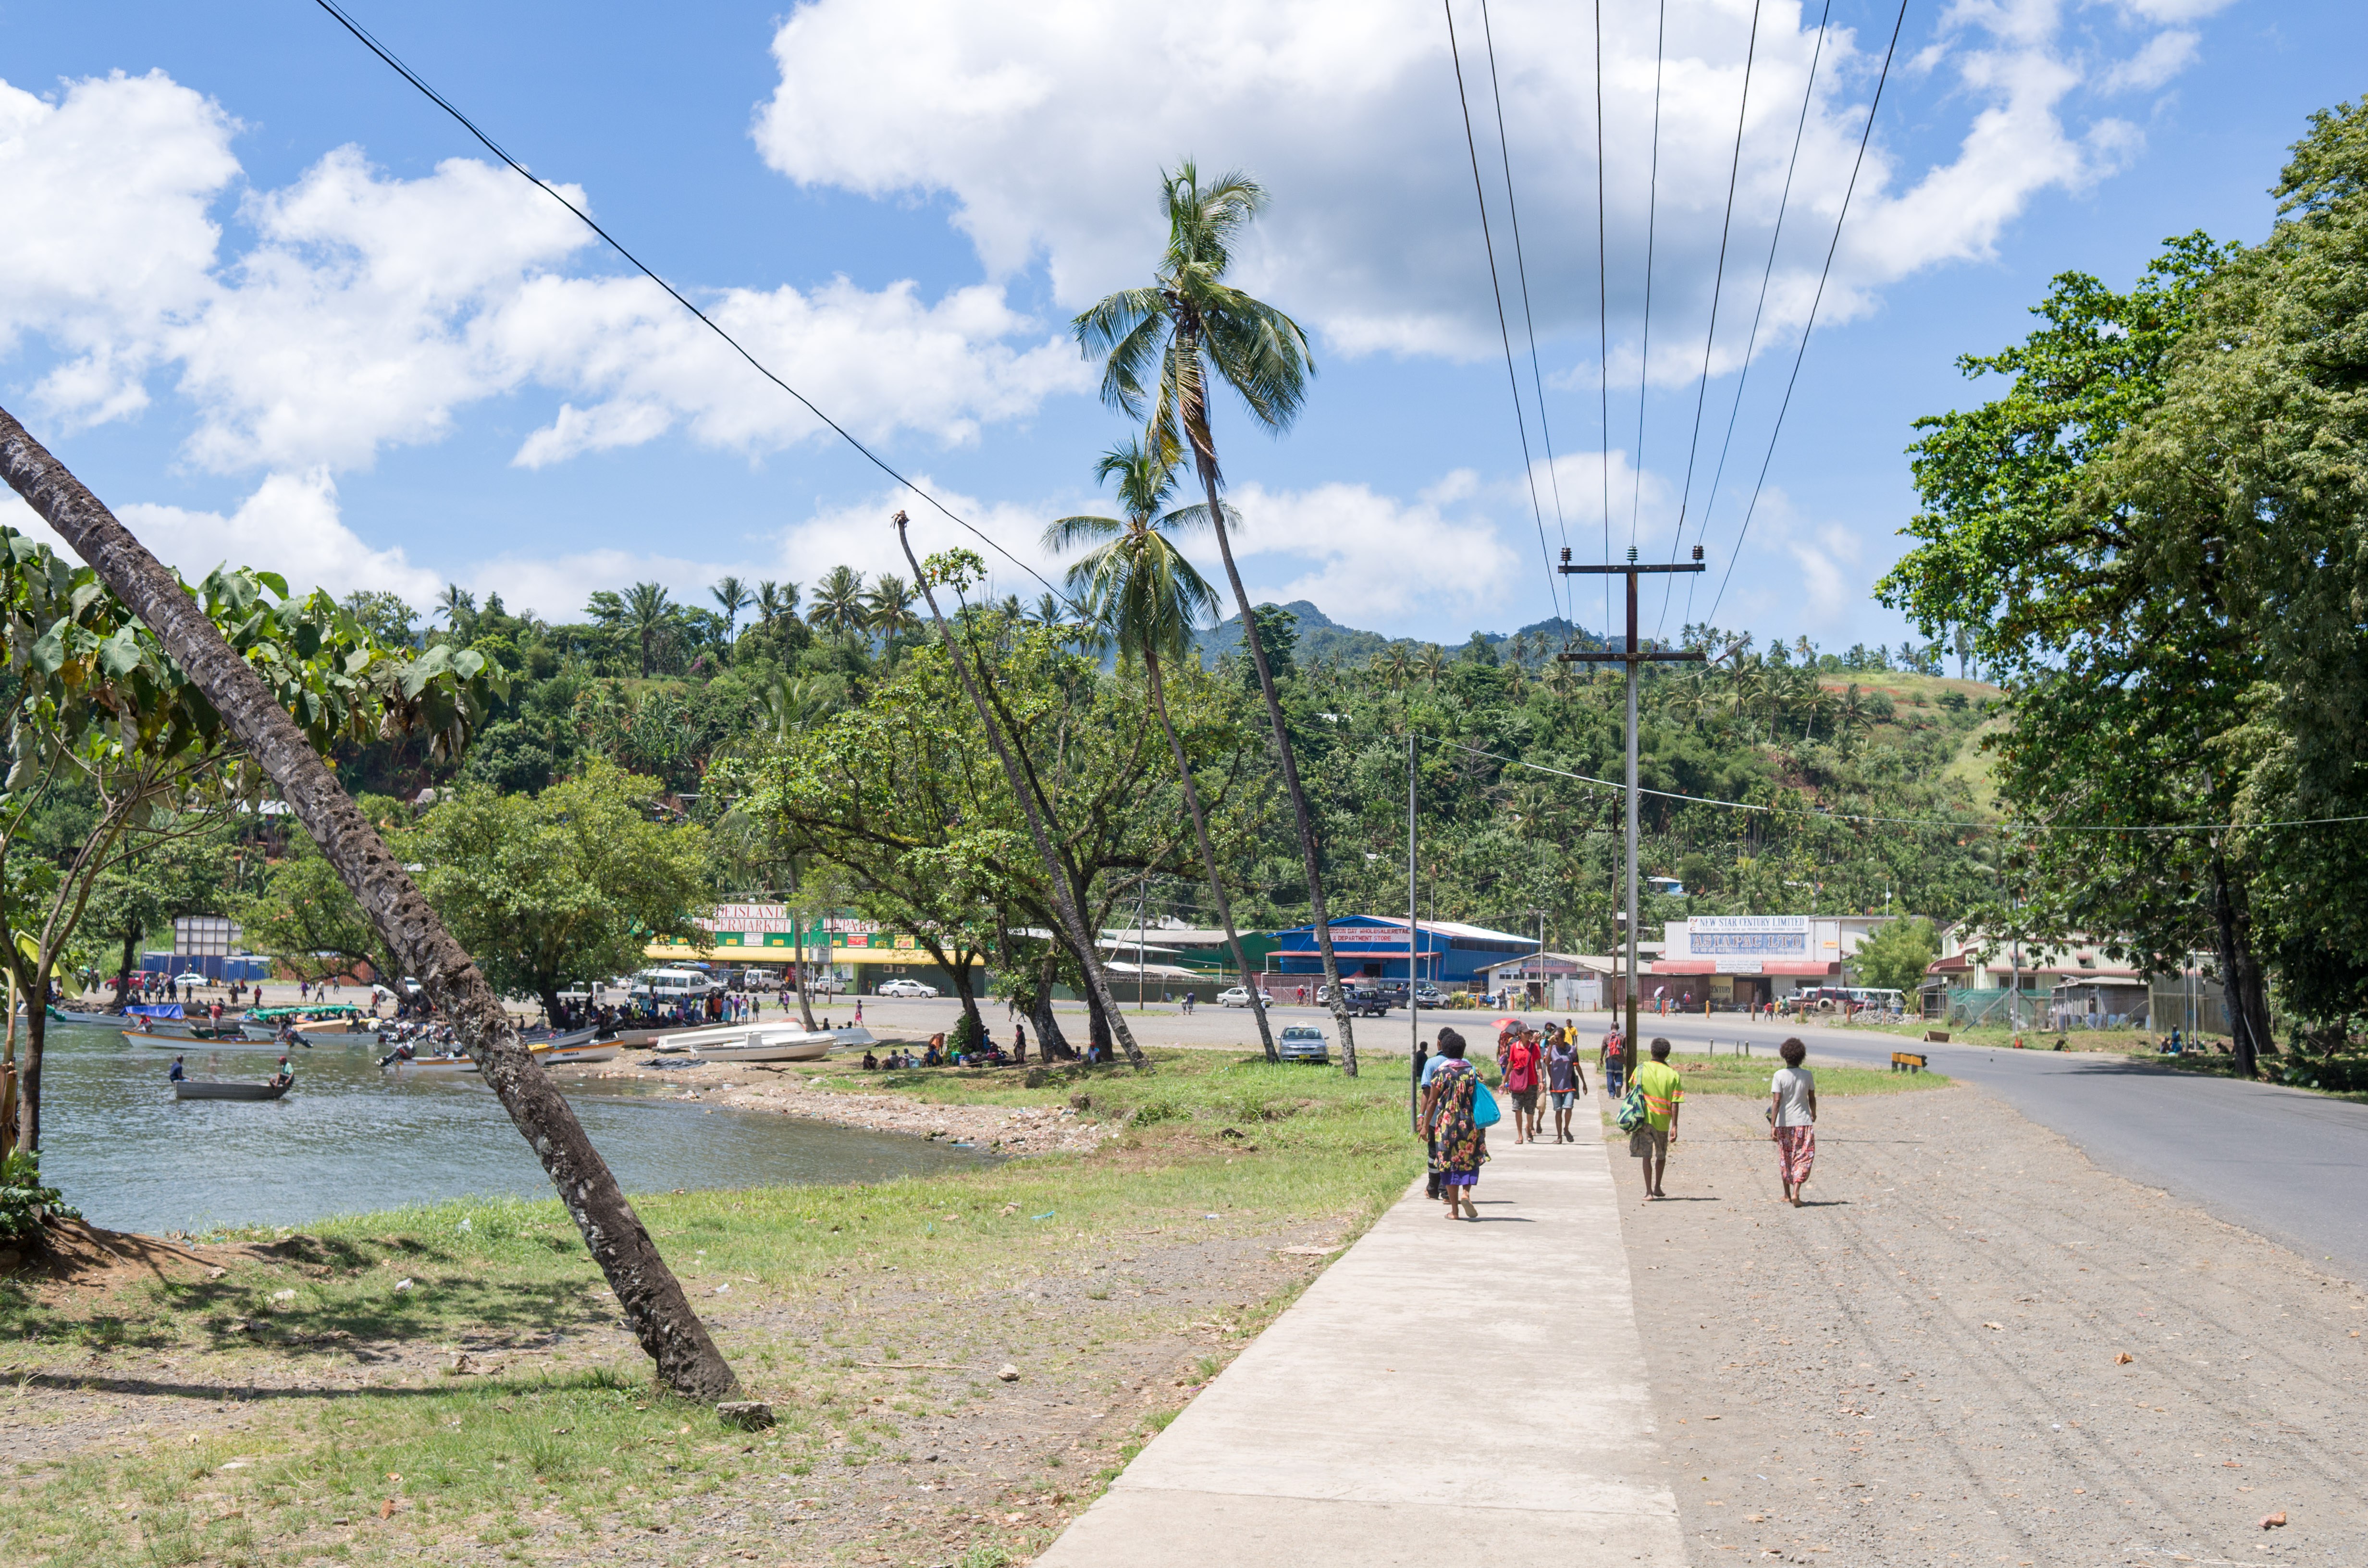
<point>1446,1391</point>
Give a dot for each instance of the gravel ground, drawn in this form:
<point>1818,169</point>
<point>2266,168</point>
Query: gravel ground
<point>1975,1347</point>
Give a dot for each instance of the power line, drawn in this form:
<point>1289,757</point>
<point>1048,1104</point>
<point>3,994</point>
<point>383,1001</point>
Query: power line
<point>1767,275</point>
<point>1717,288</point>
<point>440,101</point>
<point>1913,821</point>
<point>1652,219</point>
<point>1504,330</point>
<point>1521,269</point>
<point>1818,299</point>
<point>1602,323</point>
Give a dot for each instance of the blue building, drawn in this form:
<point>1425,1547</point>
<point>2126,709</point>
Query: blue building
<point>1373,947</point>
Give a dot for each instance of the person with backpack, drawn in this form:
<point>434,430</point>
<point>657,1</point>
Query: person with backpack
<point>1607,1058</point>
<point>1456,1111</point>
<point>1517,1064</point>
<point>1660,1092</point>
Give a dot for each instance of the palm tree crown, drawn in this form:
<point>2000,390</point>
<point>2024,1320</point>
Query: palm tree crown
<point>888,607</point>
<point>649,611</point>
<point>838,601</point>
<point>1152,340</point>
<point>1137,584</point>
<point>732,596</point>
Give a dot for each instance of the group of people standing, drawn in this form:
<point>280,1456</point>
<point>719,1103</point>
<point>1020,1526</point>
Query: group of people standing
<point>1455,1108</point>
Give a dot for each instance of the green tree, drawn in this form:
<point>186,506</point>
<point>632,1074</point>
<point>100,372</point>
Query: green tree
<point>649,612</point>
<point>100,704</point>
<point>1896,957</point>
<point>251,697</point>
<point>564,886</point>
<point>838,602</point>
<point>1160,345</point>
<point>1151,597</point>
<point>2125,676</point>
<point>888,609</point>
<point>309,921</point>
<point>732,597</point>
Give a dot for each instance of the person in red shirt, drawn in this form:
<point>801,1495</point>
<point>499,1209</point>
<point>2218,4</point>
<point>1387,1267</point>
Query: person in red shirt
<point>1519,1058</point>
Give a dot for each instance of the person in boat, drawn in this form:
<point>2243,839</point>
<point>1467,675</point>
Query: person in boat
<point>286,1075</point>
<point>177,1075</point>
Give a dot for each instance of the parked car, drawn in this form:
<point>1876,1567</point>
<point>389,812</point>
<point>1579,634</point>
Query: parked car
<point>1371,1002</point>
<point>825,985</point>
<point>1425,994</point>
<point>1239,996</point>
<point>902,987</point>
<point>1303,1042</point>
<point>190,978</point>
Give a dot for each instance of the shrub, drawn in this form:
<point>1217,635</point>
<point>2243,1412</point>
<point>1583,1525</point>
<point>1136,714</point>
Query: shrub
<point>24,1201</point>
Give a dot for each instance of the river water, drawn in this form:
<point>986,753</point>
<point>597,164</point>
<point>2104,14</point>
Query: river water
<point>351,1137</point>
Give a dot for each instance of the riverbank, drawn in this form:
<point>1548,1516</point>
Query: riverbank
<point>452,1380</point>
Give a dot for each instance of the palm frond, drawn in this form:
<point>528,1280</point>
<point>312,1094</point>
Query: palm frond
<point>1064,534</point>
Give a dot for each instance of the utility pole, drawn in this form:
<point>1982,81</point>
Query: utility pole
<point>1631,657</point>
<point>1414,1011</point>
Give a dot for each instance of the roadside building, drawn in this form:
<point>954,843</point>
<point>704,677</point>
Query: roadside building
<point>855,953</point>
<point>1199,951</point>
<point>1373,947</point>
<point>1981,978</point>
<point>1737,961</point>
<point>1566,983</point>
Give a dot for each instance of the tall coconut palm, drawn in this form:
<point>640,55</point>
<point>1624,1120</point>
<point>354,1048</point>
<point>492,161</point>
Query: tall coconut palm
<point>888,609</point>
<point>838,602</point>
<point>1141,587</point>
<point>732,596</point>
<point>1160,346</point>
<point>775,602</point>
<point>1431,664</point>
<point>649,611</point>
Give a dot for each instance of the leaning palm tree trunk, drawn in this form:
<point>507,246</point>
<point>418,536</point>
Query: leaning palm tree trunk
<point>1208,854</point>
<point>1081,939</point>
<point>647,1291</point>
<point>1204,460</point>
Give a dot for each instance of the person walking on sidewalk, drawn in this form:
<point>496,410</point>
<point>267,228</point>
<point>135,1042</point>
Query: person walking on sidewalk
<point>1517,1060</point>
<point>1447,1122</point>
<point>1793,1119</point>
<point>1664,1092</point>
<point>1607,1058</point>
<point>1566,1081</point>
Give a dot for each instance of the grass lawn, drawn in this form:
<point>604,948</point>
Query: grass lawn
<point>1730,1074</point>
<point>2112,1043</point>
<point>295,1397</point>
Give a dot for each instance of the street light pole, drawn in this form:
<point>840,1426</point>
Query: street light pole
<point>1632,656</point>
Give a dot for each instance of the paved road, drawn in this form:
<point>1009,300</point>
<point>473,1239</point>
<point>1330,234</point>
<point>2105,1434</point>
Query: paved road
<point>2282,1163</point>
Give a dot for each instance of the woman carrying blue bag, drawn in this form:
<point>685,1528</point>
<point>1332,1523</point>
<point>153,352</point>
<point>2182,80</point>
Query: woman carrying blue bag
<point>1457,1110</point>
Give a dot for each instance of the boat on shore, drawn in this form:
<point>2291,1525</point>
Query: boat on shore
<point>79,1016</point>
<point>578,1045</point>
<point>769,1045</point>
<point>208,1089</point>
<point>460,1064</point>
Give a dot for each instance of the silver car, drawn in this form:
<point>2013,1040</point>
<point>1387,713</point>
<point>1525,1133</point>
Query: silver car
<point>1303,1042</point>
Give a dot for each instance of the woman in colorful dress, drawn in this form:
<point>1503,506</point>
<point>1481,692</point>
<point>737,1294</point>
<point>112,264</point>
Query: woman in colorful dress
<point>1461,1143</point>
<point>1793,1119</point>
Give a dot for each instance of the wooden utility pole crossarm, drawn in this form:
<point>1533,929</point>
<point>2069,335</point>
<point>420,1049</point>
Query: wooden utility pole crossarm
<point>647,1292</point>
<point>1631,655</point>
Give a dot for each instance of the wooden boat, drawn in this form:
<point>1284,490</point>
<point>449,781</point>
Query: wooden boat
<point>462,1063</point>
<point>207,1089</point>
<point>177,1031</point>
<point>771,1045</point>
<point>74,1016</point>
<point>576,1045</point>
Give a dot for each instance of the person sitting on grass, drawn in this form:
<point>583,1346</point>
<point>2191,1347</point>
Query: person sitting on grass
<point>937,1052</point>
<point>871,1063</point>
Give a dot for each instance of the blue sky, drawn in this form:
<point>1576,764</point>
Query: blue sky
<point>278,310</point>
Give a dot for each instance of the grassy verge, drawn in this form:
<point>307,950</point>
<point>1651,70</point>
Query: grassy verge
<point>1728,1075</point>
<point>2111,1042</point>
<point>304,1397</point>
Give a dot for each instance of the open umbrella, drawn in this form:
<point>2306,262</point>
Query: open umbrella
<point>1507,1023</point>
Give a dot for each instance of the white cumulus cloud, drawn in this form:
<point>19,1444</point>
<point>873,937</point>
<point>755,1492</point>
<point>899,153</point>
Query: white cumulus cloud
<point>1347,111</point>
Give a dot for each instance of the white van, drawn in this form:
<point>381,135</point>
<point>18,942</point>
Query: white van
<point>664,985</point>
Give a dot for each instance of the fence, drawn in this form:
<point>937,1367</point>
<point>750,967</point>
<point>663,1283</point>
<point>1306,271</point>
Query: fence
<point>1969,1008</point>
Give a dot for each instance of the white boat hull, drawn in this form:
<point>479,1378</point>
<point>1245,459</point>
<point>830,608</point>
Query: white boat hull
<point>795,1045</point>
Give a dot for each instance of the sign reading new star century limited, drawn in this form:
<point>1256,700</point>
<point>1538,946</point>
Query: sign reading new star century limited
<point>1761,935</point>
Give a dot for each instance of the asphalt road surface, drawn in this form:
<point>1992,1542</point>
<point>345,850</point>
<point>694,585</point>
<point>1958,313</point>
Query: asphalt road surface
<point>2282,1163</point>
